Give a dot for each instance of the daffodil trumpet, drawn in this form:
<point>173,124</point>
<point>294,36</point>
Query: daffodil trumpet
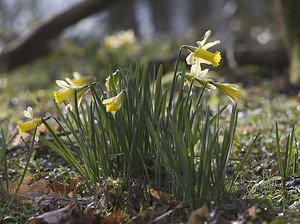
<point>232,91</point>
<point>28,125</point>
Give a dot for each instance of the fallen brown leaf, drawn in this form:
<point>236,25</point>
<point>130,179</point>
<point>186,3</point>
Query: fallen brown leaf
<point>23,190</point>
<point>199,216</point>
<point>39,186</point>
<point>68,215</point>
<point>114,218</point>
<point>91,217</point>
<point>251,213</point>
<point>144,217</point>
<point>162,197</point>
<point>58,187</point>
<point>64,189</point>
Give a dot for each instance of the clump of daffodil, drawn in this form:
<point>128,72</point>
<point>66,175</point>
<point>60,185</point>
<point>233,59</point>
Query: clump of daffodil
<point>31,124</point>
<point>120,39</point>
<point>114,81</point>
<point>69,87</point>
<point>200,54</point>
<point>113,104</point>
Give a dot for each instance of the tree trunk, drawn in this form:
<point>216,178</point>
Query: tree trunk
<point>160,11</point>
<point>122,17</point>
<point>290,18</point>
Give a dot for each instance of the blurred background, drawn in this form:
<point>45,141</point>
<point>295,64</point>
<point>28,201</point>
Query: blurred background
<point>119,32</point>
<point>234,21</point>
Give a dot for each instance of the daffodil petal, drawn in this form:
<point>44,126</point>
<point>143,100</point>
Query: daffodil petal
<point>107,101</point>
<point>69,81</point>
<point>211,44</point>
<point>115,81</point>
<point>190,59</point>
<point>206,36</point>
<point>76,75</point>
<point>197,71</point>
<point>28,113</point>
<point>62,83</point>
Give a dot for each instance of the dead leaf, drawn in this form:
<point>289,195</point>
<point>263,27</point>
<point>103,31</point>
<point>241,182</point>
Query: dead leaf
<point>114,218</point>
<point>199,216</point>
<point>162,197</point>
<point>166,214</point>
<point>73,182</point>
<point>64,189</point>
<point>50,202</point>
<point>91,217</point>
<point>24,187</point>
<point>108,197</point>
<point>58,187</point>
<point>251,213</point>
<point>39,186</point>
<point>144,217</point>
<point>68,215</point>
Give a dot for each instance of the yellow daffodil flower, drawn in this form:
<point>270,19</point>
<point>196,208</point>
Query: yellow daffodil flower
<point>115,80</point>
<point>200,54</point>
<point>28,125</point>
<point>68,88</point>
<point>113,104</point>
<point>197,77</point>
<point>230,90</point>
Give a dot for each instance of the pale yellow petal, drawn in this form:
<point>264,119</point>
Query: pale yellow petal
<point>28,113</point>
<point>62,83</point>
<point>211,44</point>
<point>206,36</point>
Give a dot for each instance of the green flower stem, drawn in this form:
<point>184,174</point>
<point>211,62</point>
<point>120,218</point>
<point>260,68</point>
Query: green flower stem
<point>4,148</point>
<point>30,148</point>
<point>174,80</point>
